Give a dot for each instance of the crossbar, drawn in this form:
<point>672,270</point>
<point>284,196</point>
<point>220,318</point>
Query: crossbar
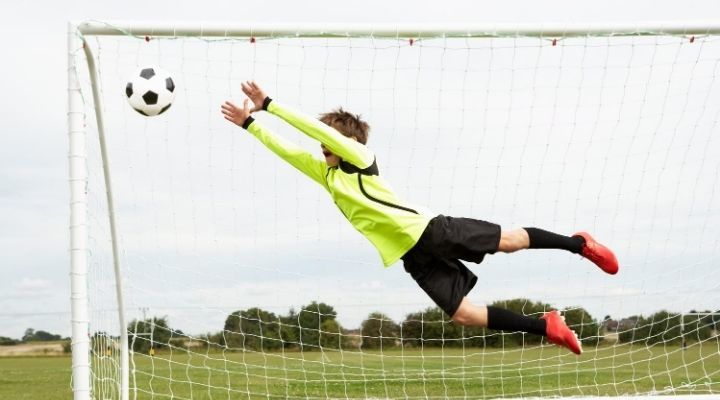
<point>546,30</point>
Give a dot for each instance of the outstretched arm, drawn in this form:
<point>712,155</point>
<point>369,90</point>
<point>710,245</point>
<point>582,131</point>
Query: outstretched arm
<point>349,150</point>
<point>290,152</point>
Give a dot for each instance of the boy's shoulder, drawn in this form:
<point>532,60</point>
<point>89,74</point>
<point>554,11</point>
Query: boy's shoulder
<point>349,168</point>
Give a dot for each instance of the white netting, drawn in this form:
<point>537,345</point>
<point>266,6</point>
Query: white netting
<point>247,282</point>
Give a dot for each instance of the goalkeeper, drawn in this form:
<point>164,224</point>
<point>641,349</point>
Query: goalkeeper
<point>431,246</point>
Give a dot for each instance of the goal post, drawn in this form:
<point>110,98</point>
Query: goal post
<point>480,120</point>
<point>78,229</point>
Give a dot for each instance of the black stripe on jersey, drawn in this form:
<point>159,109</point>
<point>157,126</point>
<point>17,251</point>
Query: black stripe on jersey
<point>385,203</point>
<point>348,168</point>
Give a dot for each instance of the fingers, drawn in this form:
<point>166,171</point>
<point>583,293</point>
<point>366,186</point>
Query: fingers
<point>247,89</point>
<point>250,88</point>
<point>233,113</point>
<point>257,90</point>
<point>229,106</point>
<point>228,115</point>
<point>229,111</point>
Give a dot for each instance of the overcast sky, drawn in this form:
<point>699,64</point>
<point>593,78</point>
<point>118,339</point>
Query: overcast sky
<point>34,194</point>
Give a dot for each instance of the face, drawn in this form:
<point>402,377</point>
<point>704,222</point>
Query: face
<point>331,159</point>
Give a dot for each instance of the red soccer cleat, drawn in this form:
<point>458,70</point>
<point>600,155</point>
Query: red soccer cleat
<point>559,333</point>
<point>599,254</point>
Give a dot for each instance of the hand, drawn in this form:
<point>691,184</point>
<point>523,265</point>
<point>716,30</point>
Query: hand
<point>235,114</point>
<point>254,93</point>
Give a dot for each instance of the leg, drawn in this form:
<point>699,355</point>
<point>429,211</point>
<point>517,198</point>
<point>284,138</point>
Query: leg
<point>534,238</point>
<point>491,317</point>
<point>470,240</point>
<point>514,240</point>
<point>469,314</point>
<point>580,243</point>
<point>550,325</point>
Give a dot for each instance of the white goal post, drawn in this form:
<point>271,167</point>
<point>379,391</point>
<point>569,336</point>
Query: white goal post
<point>81,103</point>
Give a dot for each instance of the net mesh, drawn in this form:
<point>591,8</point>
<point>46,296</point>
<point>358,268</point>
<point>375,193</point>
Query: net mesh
<point>242,280</point>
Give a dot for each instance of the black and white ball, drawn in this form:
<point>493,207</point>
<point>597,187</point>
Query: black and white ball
<point>150,91</point>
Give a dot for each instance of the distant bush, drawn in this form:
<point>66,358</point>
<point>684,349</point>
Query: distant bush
<point>6,341</point>
<point>152,333</point>
<point>667,328</point>
<point>31,335</point>
<point>379,331</point>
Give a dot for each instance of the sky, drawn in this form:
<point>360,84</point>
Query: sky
<point>34,195</point>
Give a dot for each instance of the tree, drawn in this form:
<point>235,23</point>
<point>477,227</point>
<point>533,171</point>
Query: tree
<point>103,344</point>
<point>149,333</point>
<point>331,335</point>
<point>289,329</point>
<point>252,329</point>
<point>46,336</point>
<point>379,331</point>
<point>6,341</point>
<point>661,327</point>
<point>310,322</point>
<point>313,327</point>
<point>698,327</point>
<point>431,328</point>
<point>29,335</point>
<point>579,320</point>
<point>32,335</point>
<point>715,320</point>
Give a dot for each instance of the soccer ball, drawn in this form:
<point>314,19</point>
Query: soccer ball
<point>150,91</point>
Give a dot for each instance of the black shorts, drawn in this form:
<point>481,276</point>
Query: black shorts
<point>434,261</point>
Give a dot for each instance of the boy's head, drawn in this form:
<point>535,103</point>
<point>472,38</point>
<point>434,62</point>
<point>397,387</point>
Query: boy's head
<point>349,125</point>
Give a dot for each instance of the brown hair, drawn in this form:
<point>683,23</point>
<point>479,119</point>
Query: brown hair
<point>347,123</point>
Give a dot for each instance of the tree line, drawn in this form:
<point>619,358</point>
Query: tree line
<point>315,327</point>
<point>31,335</point>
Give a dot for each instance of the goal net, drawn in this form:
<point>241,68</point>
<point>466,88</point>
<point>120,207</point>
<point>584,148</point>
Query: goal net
<point>204,267</point>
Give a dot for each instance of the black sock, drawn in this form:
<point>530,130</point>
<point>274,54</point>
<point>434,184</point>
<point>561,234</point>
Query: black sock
<point>505,320</point>
<point>541,239</point>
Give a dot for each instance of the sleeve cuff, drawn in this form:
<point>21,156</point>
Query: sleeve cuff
<point>266,103</point>
<point>249,120</point>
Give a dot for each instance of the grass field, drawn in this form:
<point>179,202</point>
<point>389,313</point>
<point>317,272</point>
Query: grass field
<point>432,373</point>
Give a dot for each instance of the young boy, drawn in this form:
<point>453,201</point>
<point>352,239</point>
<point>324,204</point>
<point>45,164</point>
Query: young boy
<point>431,246</point>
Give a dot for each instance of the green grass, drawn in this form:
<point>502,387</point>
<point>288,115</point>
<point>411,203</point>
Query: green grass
<point>46,378</point>
<point>432,373</point>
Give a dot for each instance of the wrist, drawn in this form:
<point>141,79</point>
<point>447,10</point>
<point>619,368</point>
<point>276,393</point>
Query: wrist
<point>249,120</point>
<point>266,103</point>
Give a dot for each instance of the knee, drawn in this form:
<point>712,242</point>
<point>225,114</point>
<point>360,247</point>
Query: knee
<point>513,240</point>
<point>462,317</point>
